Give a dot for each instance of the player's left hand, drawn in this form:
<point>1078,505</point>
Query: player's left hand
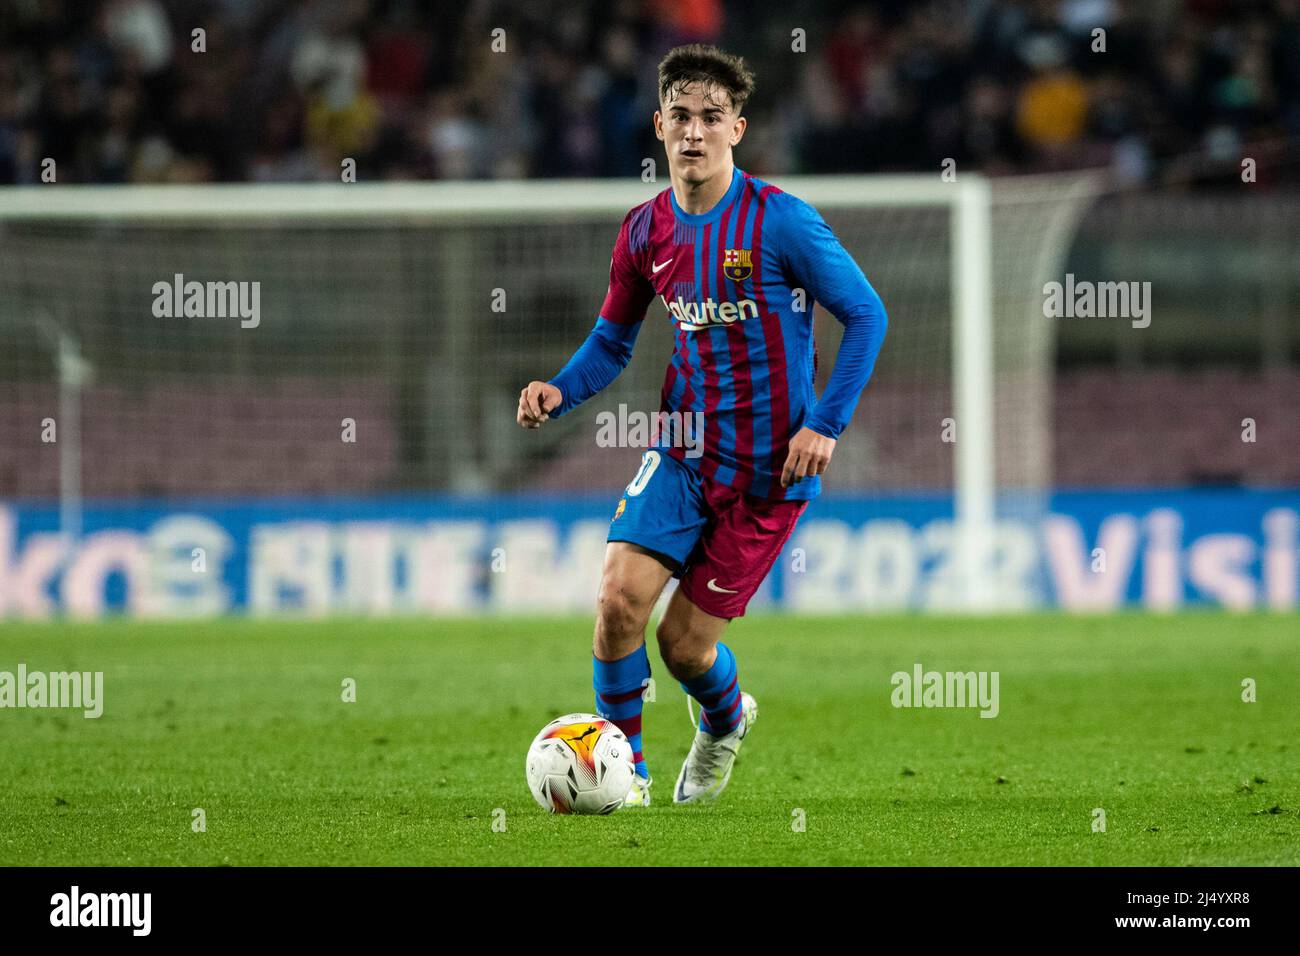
<point>810,454</point>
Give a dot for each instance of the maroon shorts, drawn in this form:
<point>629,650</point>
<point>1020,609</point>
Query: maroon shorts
<point>737,549</point>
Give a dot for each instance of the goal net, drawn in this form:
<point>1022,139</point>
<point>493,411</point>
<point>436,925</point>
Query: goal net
<point>412,314</point>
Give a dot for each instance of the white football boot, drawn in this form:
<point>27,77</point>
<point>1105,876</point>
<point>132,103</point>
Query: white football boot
<point>708,766</point>
<point>639,795</point>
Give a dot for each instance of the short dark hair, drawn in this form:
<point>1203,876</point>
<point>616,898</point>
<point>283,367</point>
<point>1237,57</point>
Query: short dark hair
<point>700,63</point>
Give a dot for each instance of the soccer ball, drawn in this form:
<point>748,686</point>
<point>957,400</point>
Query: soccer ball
<point>580,763</point>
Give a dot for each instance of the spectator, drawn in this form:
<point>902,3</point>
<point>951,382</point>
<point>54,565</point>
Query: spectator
<point>112,91</point>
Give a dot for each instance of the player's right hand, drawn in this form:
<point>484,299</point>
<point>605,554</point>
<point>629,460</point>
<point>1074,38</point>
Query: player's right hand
<point>535,401</point>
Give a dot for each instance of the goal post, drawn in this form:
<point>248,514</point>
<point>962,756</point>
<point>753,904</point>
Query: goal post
<point>384,297</point>
<point>974,505</point>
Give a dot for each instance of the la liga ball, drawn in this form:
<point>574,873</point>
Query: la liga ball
<point>580,763</point>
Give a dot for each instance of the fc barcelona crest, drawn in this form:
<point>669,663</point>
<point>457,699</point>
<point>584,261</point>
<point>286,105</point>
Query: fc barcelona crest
<point>736,264</point>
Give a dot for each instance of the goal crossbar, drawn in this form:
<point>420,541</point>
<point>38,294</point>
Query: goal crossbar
<point>516,200</point>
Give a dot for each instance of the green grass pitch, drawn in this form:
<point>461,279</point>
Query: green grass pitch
<point>1138,715</point>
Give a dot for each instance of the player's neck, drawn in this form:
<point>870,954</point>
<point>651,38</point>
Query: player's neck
<point>697,198</point>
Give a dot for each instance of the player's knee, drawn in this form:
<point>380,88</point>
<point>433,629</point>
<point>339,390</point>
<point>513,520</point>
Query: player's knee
<point>622,613</point>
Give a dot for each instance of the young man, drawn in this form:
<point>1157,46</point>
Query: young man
<point>739,264</point>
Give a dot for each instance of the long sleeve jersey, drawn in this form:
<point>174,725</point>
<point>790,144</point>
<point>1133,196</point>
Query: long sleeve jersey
<point>739,283</point>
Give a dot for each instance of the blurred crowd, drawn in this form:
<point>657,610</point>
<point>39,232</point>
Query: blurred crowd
<point>287,90</point>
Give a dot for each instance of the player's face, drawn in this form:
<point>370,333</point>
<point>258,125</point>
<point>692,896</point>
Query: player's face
<point>699,126</point>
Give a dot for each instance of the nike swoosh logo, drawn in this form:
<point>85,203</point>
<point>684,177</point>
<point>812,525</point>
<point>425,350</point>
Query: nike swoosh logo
<point>713,586</point>
<point>656,266</point>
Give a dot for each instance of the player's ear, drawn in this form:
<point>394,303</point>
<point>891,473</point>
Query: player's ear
<point>738,130</point>
<point>659,124</point>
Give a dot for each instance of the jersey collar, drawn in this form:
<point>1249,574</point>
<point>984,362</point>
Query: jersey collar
<point>714,214</point>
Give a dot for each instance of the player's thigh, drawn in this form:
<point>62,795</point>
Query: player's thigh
<point>630,583</point>
<point>655,527</point>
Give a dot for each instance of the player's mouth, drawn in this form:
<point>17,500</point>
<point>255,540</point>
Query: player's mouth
<point>692,154</point>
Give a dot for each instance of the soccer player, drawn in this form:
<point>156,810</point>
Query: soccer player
<point>739,264</point>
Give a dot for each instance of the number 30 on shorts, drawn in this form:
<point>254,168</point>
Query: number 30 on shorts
<point>649,462</point>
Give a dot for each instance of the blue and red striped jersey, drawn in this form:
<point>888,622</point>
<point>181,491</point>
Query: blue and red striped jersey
<point>739,283</point>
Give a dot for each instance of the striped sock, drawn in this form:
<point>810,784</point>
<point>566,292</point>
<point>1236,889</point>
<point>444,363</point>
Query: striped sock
<point>718,691</point>
<point>619,686</point>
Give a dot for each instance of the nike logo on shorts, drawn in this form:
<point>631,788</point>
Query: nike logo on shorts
<point>713,586</point>
<point>655,267</point>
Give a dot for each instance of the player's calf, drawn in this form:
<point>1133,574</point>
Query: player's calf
<point>620,686</point>
<point>620,668</point>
